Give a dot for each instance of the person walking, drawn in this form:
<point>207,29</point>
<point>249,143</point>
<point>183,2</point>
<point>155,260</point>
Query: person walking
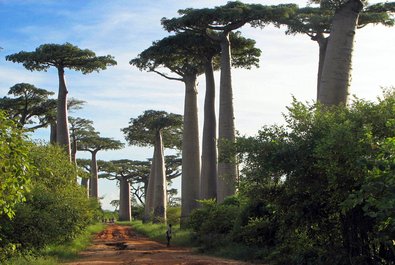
<point>168,234</point>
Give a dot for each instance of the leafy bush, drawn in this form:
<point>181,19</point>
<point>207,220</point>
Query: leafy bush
<point>212,223</point>
<point>329,177</point>
<point>56,209</point>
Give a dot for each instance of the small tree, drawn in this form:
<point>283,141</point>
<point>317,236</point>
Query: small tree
<point>62,56</point>
<point>30,105</point>
<point>93,144</point>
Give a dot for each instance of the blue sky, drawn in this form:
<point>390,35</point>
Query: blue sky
<point>124,28</point>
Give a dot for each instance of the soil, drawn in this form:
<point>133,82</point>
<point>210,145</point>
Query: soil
<point>120,245</point>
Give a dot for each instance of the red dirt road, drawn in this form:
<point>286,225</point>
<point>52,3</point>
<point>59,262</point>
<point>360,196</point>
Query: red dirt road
<point>120,245</point>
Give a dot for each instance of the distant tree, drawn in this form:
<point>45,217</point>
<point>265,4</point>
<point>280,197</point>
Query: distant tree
<point>94,144</point>
<point>159,129</point>
<point>217,23</point>
<point>124,171</point>
<point>79,129</point>
<point>115,203</point>
<point>62,56</point>
<point>85,172</point>
<point>29,105</point>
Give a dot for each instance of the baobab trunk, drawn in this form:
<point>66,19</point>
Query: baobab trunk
<point>93,182</point>
<point>84,183</point>
<point>227,170</point>
<point>160,185</point>
<point>62,127</point>
<point>208,177</point>
<point>336,71</point>
<point>74,151</point>
<point>149,195</point>
<point>124,200</point>
<point>52,137</point>
<point>190,151</point>
<point>322,43</point>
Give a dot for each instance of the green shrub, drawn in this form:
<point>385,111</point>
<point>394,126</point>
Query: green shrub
<point>213,223</point>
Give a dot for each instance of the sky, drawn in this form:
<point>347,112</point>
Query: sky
<point>124,28</point>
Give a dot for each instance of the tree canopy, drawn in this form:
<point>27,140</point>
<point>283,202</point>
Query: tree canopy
<point>141,130</point>
<point>62,56</point>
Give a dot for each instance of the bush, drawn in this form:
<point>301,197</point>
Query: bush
<point>56,209</point>
<point>213,223</point>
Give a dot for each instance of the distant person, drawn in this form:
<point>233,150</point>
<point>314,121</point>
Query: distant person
<point>168,234</point>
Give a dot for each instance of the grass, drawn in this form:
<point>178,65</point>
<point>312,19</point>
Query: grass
<point>53,254</point>
<point>157,232</point>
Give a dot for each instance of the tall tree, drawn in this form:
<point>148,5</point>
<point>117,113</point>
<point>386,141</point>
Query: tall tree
<point>217,23</point>
<point>62,56</point>
<point>94,143</point>
<point>316,22</point>
<point>159,129</point>
<point>174,53</point>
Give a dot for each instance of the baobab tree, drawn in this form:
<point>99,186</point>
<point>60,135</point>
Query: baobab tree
<point>29,105</point>
<point>79,129</point>
<point>318,24</point>
<point>62,56</point>
<point>174,53</point>
<point>93,143</point>
<point>217,23</point>
<point>159,129</point>
<point>123,171</point>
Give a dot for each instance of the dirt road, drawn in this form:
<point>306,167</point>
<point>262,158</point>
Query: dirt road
<point>120,245</point>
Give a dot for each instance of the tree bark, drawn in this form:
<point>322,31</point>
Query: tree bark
<point>227,170</point>
<point>93,182</point>
<point>74,150</point>
<point>52,137</point>
<point>149,195</point>
<point>208,177</point>
<point>62,128</point>
<point>160,200</point>
<point>84,183</point>
<point>124,200</point>
<point>336,71</point>
<point>190,151</point>
<point>322,43</point>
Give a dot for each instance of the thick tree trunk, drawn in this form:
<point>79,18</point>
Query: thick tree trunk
<point>93,182</point>
<point>74,150</point>
<point>62,127</point>
<point>149,195</point>
<point>160,200</point>
<point>227,170</point>
<point>208,177</point>
<point>190,151</point>
<point>124,200</point>
<point>336,71</point>
<point>322,43</point>
<point>52,137</point>
<point>84,183</point>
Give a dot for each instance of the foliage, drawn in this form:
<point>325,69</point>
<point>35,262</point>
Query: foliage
<point>212,223</point>
<point>326,184</point>
<point>142,130</point>
<point>30,105</point>
<point>158,232</point>
<point>228,17</point>
<point>56,209</point>
<point>15,166</point>
<point>62,56</point>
